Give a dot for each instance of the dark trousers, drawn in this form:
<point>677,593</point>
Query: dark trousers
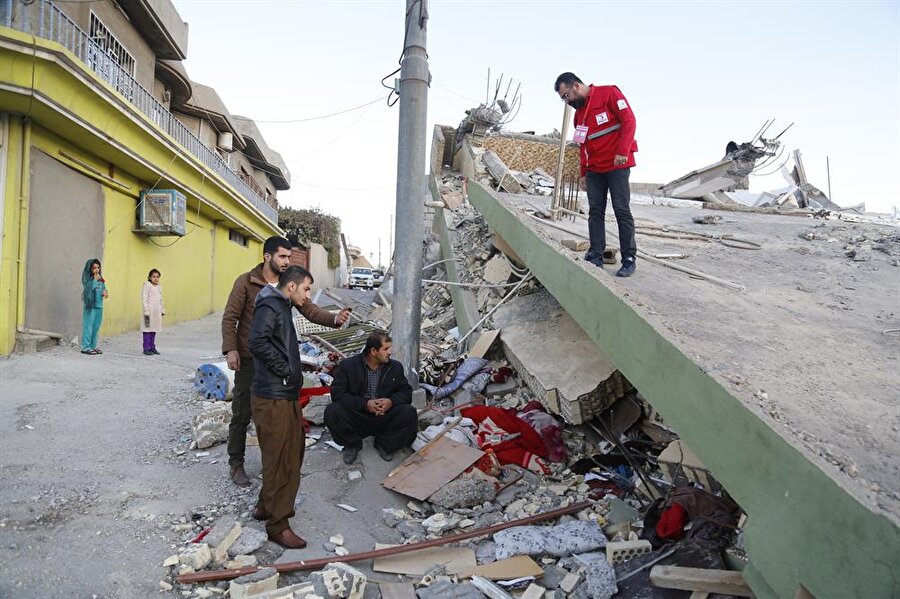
<point>150,341</point>
<point>240,412</point>
<point>281,440</point>
<point>393,431</point>
<point>615,184</point>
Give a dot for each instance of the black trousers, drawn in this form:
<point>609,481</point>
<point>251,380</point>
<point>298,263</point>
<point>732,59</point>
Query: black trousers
<point>615,184</point>
<point>393,431</point>
<point>241,412</point>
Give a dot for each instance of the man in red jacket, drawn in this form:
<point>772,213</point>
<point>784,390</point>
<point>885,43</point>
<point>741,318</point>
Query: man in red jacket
<point>604,126</point>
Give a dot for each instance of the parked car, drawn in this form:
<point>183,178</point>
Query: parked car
<point>379,276</point>
<point>361,277</point>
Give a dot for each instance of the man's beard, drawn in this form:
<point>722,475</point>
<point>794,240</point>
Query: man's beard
<point>577,103</point>
<point>274,267</point>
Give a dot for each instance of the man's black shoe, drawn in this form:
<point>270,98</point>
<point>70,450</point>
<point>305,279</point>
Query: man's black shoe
<point>386,455</point>
<point>595,258</point>
<point>349,454</point>
<point>628,267</point>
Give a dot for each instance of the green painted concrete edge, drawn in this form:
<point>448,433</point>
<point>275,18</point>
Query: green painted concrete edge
<point>464,307</point>
<point>802,526</point>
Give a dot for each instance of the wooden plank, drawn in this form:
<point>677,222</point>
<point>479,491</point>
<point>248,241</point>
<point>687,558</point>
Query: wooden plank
<point>431,467</point>
<point>725,582</point>
<point>397,590</point>
<point>500,173</point>
<point>417,563</point>
<point>484,343</point>
<point>507,569</point>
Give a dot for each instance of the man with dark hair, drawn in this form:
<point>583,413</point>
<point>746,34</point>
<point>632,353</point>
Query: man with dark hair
<point>236,330</point>
<point>371,396</point>
<point>604,126</point>
<point>277,379</point>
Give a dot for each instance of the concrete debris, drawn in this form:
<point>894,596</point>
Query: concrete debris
<point>222,537</point>
<point>250,540</point>
<point>210,427</point>
<point>196,556</point>
<point>339,581</point>
<point>242,561</point>
<point>463,492</point>
<point>497,271</point>
<point>599,581</point>
<point>560,540</point>
<point>314,411</point>
<point>576,245</point>
<point>254,584</point>
<point>444,589</point>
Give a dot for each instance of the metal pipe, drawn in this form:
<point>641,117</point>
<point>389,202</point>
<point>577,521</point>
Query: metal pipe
<point>414,78</point>
<point>561,162</point>
<point>315,564</point>
<point>494,309</point>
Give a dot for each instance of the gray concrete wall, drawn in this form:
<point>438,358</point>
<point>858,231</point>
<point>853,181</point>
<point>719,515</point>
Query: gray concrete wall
<point>65,229</point>
<point>318,267</point>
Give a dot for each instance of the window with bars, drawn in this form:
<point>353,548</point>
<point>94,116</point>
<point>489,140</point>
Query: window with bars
<point>108,58</point>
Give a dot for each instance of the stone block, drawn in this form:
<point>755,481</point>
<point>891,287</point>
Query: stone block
<point>576,245</point>
<point>210,427</point>
<point>463,492</point>
<point>568,584</point>
<point>254,584</point>
<point>534,591</point>
<point>196,556</point>
<point>339,581</point>
<point>623,551</point>
<point>242,561</point>
<point>314,411</point>
<point>497,270</point>
<point>599,581</point>
<point>222,536</point>
<point>250,540</point>
<point>444,589</point>
<point>561,540</point>
<point>501,389</point>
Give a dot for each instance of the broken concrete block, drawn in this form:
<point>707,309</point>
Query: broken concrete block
<point>314,411</point>
<point>339,581</point>
<point>341,551</point>
<point>534,591</point>
<point>439,522</point>
<point>222,537</point>
<point>196,556</point>
<point>302,590</point>
<point>622,551</point>
<point>250,585</point>
<point>337,539</point>
<point>392,517</point>
<point>463,492</point>
<point>210,426</point>
<point>497,270</point>
<point>171,561</point>
<point>452,199</point>
<point>242,561</point>
<point>444,589</point>
<point>165,585</point>
<point>250,540</point>
<point>599,581</point>
<point>577,245</point>
<point>501,389</point>
<point>563,539</point>
<point>568,584</point>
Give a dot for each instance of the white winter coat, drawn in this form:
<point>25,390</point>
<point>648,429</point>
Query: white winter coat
<point>151,297</point>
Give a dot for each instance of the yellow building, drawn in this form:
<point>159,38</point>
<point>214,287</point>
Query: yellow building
<point>96,107</point>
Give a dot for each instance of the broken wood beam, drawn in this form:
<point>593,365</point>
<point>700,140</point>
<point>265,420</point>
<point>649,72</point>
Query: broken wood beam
<point>500,172</point>
<point>726,582</point>
<point>315,564</point>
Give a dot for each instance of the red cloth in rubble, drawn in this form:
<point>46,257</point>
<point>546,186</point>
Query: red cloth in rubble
<point>672,522</point>
<point>517,451</point>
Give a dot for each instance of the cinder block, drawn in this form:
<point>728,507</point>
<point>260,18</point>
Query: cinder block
<point>222,537</point>
<point>196,556</point>
<point>534,591</point>
<point>577,245</point>
<point>254,584</point>
<point>623,551</point>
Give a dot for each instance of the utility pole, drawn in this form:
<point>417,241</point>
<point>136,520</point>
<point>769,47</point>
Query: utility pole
<point>391,239</point>
<point>379,252</point>
<point>407,304</point>
<point>828,168</point>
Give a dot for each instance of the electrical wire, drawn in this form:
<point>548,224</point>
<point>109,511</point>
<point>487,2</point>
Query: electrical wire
<point>323,116</point>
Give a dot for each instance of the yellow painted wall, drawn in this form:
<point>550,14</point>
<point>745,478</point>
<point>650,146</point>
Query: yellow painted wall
<point>10,240</point>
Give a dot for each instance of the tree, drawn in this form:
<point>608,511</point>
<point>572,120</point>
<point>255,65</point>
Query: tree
<point>313,225</point>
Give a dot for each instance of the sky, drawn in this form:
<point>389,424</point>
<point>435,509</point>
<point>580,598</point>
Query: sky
<point>696,74</point>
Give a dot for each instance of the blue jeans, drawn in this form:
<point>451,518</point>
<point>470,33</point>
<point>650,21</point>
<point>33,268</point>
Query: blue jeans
<point>91,320</point>
<point>614,184</point>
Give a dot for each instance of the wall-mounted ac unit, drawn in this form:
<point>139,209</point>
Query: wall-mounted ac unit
<point>225,141</point>
<point>162,212</point>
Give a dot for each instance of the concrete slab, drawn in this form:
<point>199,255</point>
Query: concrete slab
<point>787,390</point>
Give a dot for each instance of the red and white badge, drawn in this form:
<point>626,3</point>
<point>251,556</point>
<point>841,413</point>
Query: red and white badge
<point>602,117</point>
<point>580,134</point>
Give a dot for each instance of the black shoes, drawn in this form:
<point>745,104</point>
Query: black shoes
<point>386,455</point>
<point>349,454</point>
<point>629,265</point>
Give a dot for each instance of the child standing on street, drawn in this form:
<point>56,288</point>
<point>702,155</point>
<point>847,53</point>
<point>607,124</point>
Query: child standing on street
<point>92,295</point>
<point>151,296</point>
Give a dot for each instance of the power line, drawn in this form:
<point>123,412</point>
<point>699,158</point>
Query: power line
<point>324,116</point>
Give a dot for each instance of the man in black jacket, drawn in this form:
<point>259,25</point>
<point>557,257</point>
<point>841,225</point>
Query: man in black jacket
<point>276,384</point>
<point>371,396</point>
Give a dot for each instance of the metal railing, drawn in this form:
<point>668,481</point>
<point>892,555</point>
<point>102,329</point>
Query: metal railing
<point>45,20</point>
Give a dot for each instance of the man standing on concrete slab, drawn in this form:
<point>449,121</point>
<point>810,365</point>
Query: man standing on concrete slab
<point>604,127</point>
<point>236,330</point>
<point>277,378</point>
<point>370,396</point>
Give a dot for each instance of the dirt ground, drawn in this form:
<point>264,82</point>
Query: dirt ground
<point>803,344</point>
<point>92,485</point>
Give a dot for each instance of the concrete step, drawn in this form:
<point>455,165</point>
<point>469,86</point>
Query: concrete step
<point>29,344</point>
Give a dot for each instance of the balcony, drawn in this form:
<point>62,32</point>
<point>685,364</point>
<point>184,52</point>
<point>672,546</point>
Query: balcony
<point>45,20</point>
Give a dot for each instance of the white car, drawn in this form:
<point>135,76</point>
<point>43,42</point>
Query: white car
<point>362,277</point>
<point>379,277</point>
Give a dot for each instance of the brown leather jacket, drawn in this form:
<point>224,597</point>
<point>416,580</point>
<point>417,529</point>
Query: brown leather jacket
<point>238,314</point>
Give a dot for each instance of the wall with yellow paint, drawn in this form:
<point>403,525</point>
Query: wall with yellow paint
<point>11,170</point>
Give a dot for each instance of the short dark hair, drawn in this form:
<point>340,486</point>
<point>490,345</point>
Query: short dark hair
<point>295,274</point>
<point>272,244</point>
<point>150,274</point>
<point>568,79</point>
<point>375,341</point>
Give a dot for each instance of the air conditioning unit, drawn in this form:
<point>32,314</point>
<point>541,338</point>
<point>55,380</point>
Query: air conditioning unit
<point>162,212</point>
<point>225,142</point>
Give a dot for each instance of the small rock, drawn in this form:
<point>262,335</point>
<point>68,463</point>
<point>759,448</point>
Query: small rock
<point>337,539</point>
<point>242,561</point>
<point>197,556</point>
<point>250,540</point>
<point>171,561</point>
<point>254,584</point>
<point>354,475</point>
<point>165,585</point>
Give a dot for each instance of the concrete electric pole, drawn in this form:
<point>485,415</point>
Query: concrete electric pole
<point>414,79</point>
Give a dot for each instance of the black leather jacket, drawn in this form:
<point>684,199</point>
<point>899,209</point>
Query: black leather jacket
<point>349,386</point>
<point>273,343</point>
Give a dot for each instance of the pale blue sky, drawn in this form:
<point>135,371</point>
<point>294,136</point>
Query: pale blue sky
<point>696,74</point>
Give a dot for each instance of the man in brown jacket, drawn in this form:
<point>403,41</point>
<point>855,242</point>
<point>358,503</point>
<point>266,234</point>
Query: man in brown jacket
<point>236,323</point>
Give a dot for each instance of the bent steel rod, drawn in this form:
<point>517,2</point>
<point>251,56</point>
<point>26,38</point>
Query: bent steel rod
<point>315,564</point>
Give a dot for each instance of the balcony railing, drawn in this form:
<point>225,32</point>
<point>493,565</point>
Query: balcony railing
<point>45,20</point>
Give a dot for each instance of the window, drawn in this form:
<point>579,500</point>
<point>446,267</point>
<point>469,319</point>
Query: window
<point>237,237</point>
<point>108,58</point>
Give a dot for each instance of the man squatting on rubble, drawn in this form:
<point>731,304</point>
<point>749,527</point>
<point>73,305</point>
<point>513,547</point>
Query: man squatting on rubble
<point>371,396</point>
<point>277,379</point>
<point>604,127</point>
<point>236,323</point>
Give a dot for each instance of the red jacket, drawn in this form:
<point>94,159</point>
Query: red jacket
<point>606,109</point>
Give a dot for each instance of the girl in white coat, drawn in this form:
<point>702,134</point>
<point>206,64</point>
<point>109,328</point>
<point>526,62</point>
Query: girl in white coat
<point>151,297</point>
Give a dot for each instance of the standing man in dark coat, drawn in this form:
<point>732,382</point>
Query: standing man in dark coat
<point>277,379</point>
<point>604,126</point>
<point>370,396</point>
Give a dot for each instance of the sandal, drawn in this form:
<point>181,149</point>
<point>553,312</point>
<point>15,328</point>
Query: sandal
<point>88,352</point>
<point>96,351</point>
